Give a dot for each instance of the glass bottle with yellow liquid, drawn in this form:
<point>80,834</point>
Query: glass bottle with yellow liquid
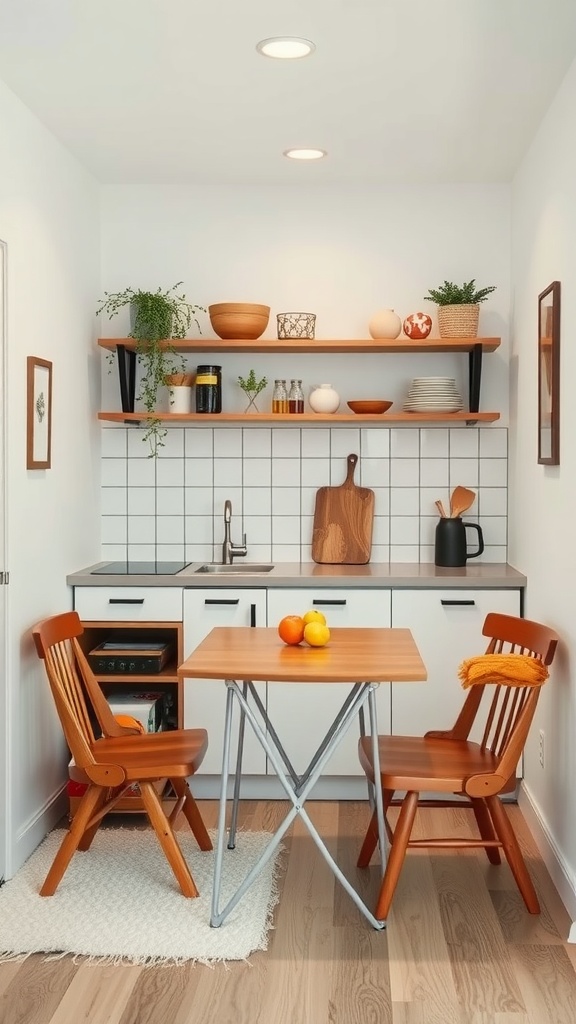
<point>279,397</point>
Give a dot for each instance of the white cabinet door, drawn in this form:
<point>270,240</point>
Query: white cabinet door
<point>205,699</point>
<point>302,714</point>
<point>447,628</point>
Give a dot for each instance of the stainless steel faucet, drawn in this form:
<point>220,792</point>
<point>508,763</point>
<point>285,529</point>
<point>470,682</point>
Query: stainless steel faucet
<point>230,550</point>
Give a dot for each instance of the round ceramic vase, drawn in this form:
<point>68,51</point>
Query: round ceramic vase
<point>417,326</point>
<point>324,399</point>
<point>385,324</point>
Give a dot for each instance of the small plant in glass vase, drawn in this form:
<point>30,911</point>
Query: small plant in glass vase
<point>252,388</point>
<point>156,319</point>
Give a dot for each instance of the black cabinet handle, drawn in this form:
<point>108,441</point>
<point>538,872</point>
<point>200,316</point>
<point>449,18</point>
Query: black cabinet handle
<point>252,615</point>
<point>342,600</point>
<point>222,600</point>
<point>452,603</point>
<point>125,600</point>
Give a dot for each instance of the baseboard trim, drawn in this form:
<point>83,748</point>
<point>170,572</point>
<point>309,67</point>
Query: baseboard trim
<point>33,831</point>
<point>551,855</point>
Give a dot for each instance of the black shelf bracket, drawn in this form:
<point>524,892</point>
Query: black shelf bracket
<point>474,379</point>
<point>127,375</point>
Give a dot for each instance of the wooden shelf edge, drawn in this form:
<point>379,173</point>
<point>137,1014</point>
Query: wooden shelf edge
<point>274,347</point>
<point>295,419</point>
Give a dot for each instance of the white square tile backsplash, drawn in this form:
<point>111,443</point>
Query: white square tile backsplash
<point>173,506</point>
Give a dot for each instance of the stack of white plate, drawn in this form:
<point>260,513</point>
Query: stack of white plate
<point>433,394</point>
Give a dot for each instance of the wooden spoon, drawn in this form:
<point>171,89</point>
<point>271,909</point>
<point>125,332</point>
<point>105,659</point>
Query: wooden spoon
<point>441,509</point>
<point>460,500</point>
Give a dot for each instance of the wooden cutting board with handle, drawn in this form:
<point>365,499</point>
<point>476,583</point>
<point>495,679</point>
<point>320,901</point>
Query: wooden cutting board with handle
<point>342,532</point>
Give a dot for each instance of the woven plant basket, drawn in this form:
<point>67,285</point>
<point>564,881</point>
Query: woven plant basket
<point>458,321</point>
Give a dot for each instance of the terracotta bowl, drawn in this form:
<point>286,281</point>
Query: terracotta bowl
<point>369,408</point>
<point>244,321</point>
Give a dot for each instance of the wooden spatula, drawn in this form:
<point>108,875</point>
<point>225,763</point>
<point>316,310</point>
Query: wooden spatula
<point>460,500</point>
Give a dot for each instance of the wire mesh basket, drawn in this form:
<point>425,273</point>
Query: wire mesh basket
<point>296,325</point>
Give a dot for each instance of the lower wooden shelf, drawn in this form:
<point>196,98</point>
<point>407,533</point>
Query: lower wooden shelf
<point>383,419</point>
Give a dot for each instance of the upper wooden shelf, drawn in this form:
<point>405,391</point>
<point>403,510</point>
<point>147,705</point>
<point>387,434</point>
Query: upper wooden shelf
<point>275,347</point>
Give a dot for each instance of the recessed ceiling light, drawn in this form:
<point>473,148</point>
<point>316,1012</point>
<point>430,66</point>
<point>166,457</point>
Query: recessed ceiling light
<point>305,154</point>
<point>285,47</point>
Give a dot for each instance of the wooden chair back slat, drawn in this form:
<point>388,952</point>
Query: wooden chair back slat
<point>70,704</point>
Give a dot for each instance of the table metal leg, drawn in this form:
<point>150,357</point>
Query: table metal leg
<point>222,809</point>
<point>377,787</point>
<point>370,785</point>
<point>363,692</point>
<point>238,776</point>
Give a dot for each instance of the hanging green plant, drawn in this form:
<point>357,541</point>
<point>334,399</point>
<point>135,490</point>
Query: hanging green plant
<point>156,318</point>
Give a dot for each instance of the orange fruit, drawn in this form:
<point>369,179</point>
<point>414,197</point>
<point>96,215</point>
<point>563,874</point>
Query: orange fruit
<point>291,629</point>
<point>316,634</point>
<point>314,616</point>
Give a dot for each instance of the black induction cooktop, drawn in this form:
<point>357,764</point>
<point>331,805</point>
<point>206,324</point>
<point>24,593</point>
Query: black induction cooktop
<point>139,569</point>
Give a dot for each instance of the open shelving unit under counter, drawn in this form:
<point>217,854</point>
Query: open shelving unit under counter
<point>475,347</point>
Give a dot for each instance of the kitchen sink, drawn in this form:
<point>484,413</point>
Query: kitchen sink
<point>246,569</point>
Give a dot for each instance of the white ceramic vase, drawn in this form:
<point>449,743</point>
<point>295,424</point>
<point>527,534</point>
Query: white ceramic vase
<point>324,399</point>
<point>385,324</point>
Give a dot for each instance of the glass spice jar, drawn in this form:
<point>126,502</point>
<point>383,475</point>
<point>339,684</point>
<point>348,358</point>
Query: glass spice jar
<point>208,389</point>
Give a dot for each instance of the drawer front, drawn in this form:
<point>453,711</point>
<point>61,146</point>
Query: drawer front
<point>129,604</point>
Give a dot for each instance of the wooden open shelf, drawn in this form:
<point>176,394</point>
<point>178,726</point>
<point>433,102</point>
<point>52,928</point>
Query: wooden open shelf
<point>475,347</point>
<point>296,419</point>
<point>274,347</point>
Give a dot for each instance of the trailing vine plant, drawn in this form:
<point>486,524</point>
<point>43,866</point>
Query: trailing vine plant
<point>156,319</point>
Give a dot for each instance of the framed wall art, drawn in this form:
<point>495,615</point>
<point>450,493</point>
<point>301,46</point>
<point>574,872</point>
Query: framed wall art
<point>549,375</point>
<point>39,413</point>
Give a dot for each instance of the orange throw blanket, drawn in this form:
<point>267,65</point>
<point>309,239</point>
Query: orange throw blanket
<point>508,669</point>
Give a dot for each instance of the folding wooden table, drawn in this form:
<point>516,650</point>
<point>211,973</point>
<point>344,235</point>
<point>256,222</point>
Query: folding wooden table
<point>362,657</point>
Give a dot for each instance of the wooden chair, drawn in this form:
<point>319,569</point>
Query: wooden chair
<point>112,763</point>
<point>448,762</point>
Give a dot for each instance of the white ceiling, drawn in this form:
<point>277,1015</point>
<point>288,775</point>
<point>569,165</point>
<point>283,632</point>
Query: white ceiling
<point>159,91</point>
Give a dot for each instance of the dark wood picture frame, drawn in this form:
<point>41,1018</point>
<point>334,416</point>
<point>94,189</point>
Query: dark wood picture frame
<point>549,375</point>
<point>38,413</point>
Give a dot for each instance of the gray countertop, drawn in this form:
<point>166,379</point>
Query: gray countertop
<point>423,575</point>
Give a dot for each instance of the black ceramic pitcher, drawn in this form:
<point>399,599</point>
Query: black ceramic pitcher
<point>450,548</point>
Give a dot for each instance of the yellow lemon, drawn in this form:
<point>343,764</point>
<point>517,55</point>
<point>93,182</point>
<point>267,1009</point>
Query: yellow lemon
<point>314,616</point>
<point>316,634</point>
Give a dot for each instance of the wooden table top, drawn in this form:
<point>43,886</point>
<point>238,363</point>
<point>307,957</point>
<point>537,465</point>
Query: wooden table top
<point>352,655</point>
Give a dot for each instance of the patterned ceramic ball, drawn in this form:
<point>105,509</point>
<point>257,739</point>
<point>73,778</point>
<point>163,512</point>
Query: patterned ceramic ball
<point>417,325</point>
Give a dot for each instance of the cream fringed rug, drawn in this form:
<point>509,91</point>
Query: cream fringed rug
<point>119,901</point>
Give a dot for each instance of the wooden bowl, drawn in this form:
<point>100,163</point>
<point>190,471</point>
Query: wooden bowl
<point>369,408</point>
<point>244,321</point>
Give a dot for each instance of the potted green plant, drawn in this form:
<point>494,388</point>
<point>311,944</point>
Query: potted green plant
<point>156,318</point>
<point>459,307</point>
<point>252,388</point>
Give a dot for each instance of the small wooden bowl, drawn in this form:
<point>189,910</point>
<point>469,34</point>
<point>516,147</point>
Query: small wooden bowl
<point>243,321</point>
<point>369,408</point>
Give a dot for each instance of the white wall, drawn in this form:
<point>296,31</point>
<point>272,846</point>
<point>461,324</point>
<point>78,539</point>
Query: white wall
<point>343,255</point>
<point>543,498</point>
<point>49,218</point>
<point>338,252</point>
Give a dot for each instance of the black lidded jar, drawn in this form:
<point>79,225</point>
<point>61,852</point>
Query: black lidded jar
<point>208,388</point>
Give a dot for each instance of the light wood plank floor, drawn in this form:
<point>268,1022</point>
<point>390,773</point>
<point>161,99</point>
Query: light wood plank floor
<point>459,948</point>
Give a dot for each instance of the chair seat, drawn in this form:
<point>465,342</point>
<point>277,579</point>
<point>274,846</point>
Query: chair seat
<point>419,763</point>
<point>151,755</point>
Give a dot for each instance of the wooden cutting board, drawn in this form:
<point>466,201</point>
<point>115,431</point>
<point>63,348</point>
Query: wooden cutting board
<point>342,532</point>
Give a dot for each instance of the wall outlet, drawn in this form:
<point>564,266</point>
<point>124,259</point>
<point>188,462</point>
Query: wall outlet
<point>541,748</point>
